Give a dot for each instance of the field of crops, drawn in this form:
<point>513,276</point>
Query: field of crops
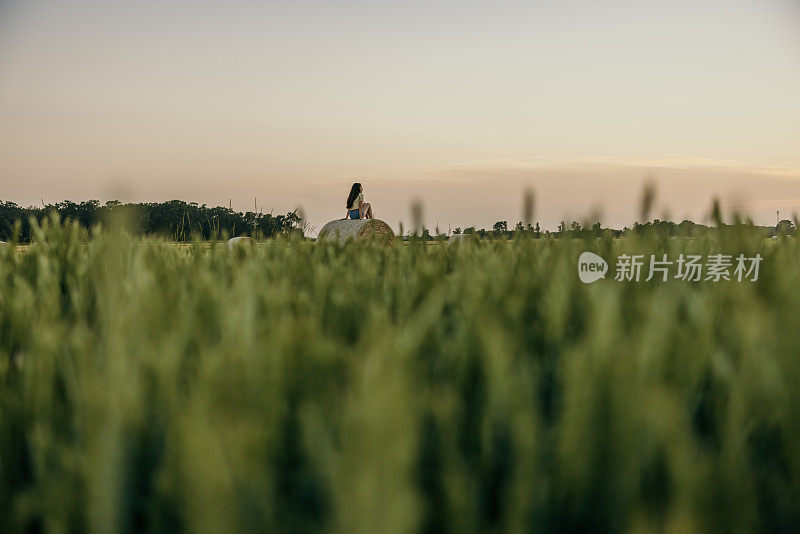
<point>301,387</point>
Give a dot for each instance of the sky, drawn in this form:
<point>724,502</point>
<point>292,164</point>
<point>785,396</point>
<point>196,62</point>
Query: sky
<point>463,105</point>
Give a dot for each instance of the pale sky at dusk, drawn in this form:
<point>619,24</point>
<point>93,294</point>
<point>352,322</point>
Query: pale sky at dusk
<point>464,104</point>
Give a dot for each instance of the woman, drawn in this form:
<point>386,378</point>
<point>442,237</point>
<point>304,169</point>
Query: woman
<point>356,207</point>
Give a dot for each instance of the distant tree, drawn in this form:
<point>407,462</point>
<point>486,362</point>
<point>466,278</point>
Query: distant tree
<point>665,227</point>
<point>685,227</point>
<point>500,229</point>
<point>457,231</point>
<point>785,227</point>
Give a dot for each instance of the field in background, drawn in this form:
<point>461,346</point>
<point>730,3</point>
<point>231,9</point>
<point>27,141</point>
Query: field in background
<point>415,388</point>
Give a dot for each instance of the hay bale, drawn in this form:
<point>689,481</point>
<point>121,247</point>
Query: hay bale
<point>240,241</point>
<point>342,229</point>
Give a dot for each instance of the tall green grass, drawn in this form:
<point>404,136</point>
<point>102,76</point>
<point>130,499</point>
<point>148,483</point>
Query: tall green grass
<point>300,387</point>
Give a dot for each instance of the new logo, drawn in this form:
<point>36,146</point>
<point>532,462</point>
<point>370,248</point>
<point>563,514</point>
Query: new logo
<point>591,267</point>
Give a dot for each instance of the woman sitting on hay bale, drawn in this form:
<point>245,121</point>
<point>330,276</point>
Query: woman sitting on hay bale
<point>356,207</point>
<point>358,224</point>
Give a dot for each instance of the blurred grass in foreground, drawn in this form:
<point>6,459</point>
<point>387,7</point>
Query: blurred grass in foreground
<point>413,388</point>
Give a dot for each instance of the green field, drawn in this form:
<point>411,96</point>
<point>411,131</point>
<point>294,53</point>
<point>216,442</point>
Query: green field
<point>299,387</point>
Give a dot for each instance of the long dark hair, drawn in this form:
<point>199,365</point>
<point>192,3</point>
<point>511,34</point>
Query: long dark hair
<point>354,191</point>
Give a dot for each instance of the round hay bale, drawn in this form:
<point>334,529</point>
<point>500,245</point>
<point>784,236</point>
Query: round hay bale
<point>240,241</point>
<point>342,229</point>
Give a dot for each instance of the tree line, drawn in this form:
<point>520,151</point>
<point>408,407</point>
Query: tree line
<point>175,219</point>
<point>501,229</point>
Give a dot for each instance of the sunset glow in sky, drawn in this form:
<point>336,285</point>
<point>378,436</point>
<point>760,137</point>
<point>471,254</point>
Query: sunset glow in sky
<point>463,104</point>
